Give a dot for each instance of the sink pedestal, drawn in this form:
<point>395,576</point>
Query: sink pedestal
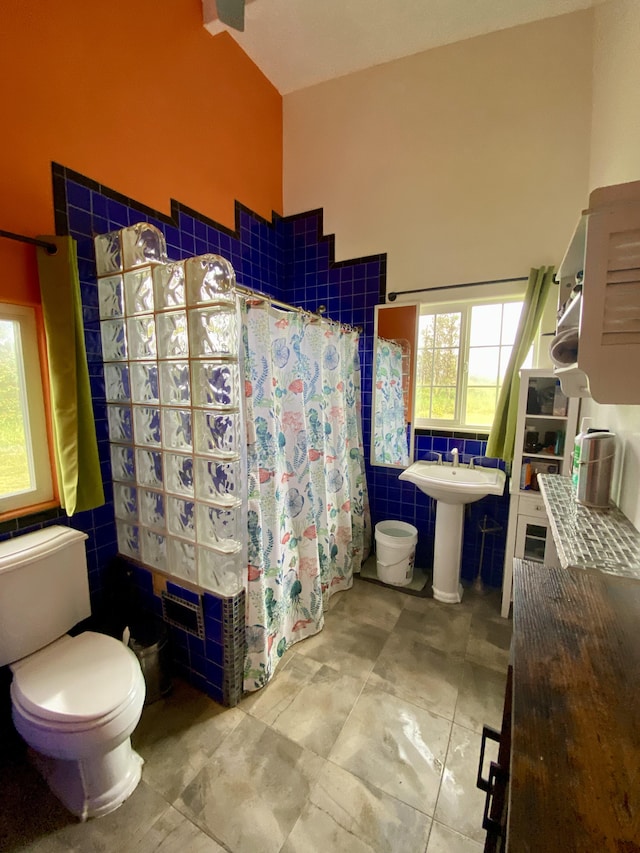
<point>447,552</point>
<point>451,486</point>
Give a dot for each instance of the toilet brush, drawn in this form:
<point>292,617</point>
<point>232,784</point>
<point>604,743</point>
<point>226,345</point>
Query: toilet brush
<point>487,525</point>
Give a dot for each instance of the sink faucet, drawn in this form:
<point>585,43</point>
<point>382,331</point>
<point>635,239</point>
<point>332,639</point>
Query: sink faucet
<point>455,460</point>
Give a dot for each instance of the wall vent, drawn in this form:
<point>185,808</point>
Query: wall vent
<point>183,614</point>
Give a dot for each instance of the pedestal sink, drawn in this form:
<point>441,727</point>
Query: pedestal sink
<point>451,486</point>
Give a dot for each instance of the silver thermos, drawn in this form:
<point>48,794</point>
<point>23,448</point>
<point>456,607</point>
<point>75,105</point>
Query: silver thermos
<point>597,455</point>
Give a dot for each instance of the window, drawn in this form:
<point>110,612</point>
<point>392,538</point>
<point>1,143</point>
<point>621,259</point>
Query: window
<point>463,351</point>
<point>25,471</point>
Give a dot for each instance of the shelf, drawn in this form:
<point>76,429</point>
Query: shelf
<point>526,505</point>
<point>605,252</point>
<point>550,456</point>
<point>546,417</point>
<point>573,261</point>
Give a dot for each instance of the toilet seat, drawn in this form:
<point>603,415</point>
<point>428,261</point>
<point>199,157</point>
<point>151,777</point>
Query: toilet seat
<point>87,679</point>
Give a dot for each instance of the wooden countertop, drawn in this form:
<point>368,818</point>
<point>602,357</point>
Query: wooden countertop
<point>575,761</point>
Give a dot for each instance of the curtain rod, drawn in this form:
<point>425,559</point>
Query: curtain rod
<point>319,315</point>
<point>393,295</point>
<point>50,247</point>
<point>398,341</point>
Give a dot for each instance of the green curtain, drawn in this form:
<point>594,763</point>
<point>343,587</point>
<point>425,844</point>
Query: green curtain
<point>503,430</point>
<point>74,431</point>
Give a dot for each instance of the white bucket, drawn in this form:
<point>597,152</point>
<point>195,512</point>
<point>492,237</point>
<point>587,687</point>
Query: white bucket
<point>395,551</point>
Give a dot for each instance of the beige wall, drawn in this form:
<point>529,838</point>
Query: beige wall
<point>615,133</point>
<point>463,163</point>
<point>615,158</point>
<point>473,161</point>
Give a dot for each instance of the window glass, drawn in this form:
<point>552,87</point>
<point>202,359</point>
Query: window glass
<point>462,358</point>
<point>438,365</point>
<point>486,324</point>
<point>483,365</point>
<point>481,406</point>
<point>25,470</point>
<point>511,318</point>
<point>16,464</point>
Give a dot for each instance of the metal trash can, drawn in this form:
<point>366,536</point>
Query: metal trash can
<point>151,647</point>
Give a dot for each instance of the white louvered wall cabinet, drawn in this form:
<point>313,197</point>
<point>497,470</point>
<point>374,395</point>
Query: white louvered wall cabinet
<point>604,255</point>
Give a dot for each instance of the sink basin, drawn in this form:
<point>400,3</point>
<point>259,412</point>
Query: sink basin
<point>451,488</point>
<point>460,485</point>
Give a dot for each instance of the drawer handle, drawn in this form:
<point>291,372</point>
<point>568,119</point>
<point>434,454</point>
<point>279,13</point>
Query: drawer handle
<point>496,774</point>
<point>487,734</point>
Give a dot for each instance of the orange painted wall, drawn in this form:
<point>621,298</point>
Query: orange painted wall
<point>138,96</point>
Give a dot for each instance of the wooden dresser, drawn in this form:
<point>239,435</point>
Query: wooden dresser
<point>575,736</point>
<point>573,729</point>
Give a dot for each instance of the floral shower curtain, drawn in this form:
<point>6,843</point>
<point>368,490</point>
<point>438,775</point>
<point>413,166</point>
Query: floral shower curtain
<point>308,514</point>
<point>390,446</point>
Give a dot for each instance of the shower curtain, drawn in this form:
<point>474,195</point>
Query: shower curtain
<point>390,446</point>
<point>308,514</point>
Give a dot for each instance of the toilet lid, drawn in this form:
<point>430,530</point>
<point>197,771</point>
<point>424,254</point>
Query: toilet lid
<point>76,678</point>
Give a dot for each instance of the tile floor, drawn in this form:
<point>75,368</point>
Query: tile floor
<point>367,739</point>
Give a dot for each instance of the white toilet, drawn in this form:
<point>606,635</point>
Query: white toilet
<point>75,700</point>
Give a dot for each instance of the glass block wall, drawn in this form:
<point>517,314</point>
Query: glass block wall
<point>171,350</point>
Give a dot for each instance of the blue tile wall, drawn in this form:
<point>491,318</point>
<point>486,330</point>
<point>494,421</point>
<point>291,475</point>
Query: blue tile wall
<point>394,499</point>
<point>292,260</point>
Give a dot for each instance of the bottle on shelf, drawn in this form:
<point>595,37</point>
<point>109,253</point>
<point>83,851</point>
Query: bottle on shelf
<point>526,472</point>
<point>577,449</point>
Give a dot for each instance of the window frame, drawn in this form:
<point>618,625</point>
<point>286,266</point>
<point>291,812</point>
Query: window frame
<point>463,307</point>
<point>43,491</point>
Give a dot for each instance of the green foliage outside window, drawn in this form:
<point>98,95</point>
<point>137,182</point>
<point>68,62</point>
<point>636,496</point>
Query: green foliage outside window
<point>14,460</point>
<point>461,361</point>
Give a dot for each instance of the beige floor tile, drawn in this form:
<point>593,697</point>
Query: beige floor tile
<point>395,746</point>
<point>277,695</point>
<point>316,715</point>
<point>445,840</point>
<point>489,642</point>
<point>254,778</point>
<point>346,814</point>
<point>30,815</point>
<point>345,645</point>
<point>32,820</point>
<point>371,605</point>
<point>173,833</point>
<point>460,803</point>
<point>443,626</point>
<point>122,829</point>
<point>418,672</point>
<point>253,790</point>
<point>486,604</point>
<point>480,698</point>
<point>178,734</point>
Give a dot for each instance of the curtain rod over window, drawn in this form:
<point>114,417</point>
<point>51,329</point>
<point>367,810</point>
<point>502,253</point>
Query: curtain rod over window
<point>393,295</point>
<point>50,247</point>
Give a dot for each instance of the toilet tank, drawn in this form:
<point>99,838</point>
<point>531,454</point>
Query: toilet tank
<point>44,589</point>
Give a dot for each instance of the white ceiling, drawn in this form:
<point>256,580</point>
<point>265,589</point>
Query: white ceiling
<point>297,43</point>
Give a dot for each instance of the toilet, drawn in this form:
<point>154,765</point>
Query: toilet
<point>75,699</point>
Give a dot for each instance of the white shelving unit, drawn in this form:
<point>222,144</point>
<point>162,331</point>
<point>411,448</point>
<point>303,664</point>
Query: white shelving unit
<point>604,253</point>
<point>545,430</point>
